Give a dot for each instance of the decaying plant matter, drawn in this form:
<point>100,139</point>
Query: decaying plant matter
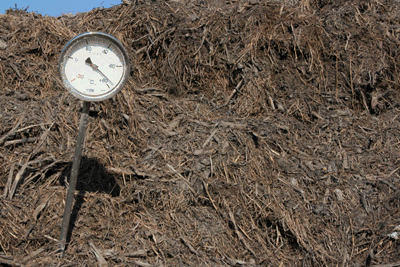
<point>251,133</point>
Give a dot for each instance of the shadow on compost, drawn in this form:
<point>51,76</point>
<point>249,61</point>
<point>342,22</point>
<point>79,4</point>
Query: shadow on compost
<point>92,177</point>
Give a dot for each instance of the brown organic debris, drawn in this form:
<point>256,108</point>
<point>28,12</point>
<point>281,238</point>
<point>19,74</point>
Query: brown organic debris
<point>250,133</point>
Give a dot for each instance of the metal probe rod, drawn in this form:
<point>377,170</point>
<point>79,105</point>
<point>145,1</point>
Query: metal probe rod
<point>74,176</point>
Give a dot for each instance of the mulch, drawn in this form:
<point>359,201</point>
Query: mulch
<point>250,133</point>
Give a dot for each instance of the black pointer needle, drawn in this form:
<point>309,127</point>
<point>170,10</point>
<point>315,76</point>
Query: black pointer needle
<point>96,68</point>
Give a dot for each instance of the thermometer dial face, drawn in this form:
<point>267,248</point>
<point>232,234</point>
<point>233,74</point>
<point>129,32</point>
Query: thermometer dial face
<point>94,66</point>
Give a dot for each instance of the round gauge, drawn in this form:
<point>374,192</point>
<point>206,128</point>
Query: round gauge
<point>94,66</point>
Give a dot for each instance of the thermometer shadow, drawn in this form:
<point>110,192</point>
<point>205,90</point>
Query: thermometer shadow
<point>92,177</point>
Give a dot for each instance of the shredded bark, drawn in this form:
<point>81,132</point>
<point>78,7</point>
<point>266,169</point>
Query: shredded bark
<point>251,132</point>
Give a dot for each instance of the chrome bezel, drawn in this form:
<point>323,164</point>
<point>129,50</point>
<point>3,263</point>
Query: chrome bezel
<point>90,35</point>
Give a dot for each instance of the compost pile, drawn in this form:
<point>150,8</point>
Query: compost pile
<point>250,133</point>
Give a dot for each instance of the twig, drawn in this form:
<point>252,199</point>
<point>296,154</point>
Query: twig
<point>182,178</point>
<point>8,184</point>
<point>237,88</point>
<point>351,85</point>
<point>209,196</point>
<point>20,173</point>
<point>389,184</point>
<point>271,102</point>
<point>209,138</point>
<point>52,238</point>
<point>138,253</point>
<point>189,246</point>
<point>143,264</point>
<point>364,202</point>
<point>202,41</point>
<point>152,43</point>
<point>18,141</point>
<point>21,118</point>
<point>31,126</point>
<point>17,179</point>
<point>147,89</point>
<point>42,139</point>
<point>99,256</point>
<point>121,171</point>
<point>8,262</point>
<point>296,188</point>
<point>33,255</point>
<point>395,170</point>
<point>240,236</point>
<point>232,125</point>
<point>395,264</point>
<point>364,101</point>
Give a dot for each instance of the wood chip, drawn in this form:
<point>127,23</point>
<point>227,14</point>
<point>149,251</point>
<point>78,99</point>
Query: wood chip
<point>102,262</point>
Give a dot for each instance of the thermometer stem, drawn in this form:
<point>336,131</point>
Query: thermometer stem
<point>74,175</point>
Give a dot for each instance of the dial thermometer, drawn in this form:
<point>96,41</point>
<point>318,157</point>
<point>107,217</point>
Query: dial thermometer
<point>94,66</point>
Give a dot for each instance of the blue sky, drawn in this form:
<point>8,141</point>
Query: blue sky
<point>56,7</point>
